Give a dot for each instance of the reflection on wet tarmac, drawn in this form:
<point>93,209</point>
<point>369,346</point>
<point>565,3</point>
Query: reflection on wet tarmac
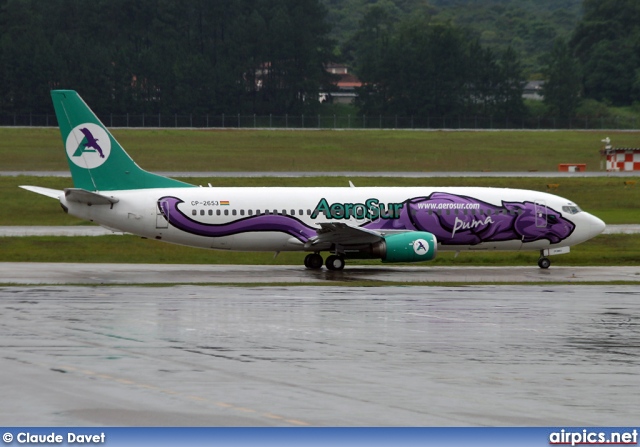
<point>195,355</point>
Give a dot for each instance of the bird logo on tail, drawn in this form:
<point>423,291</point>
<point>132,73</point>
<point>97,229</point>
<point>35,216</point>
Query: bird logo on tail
<point>92,142</point>
<point>88,145</point>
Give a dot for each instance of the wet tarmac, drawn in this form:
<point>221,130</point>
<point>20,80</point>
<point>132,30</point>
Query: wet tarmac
<point>320,356</point>
<point>34,273</point>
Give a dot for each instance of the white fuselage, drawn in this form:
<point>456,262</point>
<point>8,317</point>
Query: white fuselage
<point>462,218</point>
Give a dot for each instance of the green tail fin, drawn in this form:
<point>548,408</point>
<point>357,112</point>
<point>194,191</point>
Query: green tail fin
<point>96,159</point>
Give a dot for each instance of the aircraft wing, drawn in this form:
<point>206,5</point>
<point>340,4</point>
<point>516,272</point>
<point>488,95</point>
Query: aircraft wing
<point>339,233</point>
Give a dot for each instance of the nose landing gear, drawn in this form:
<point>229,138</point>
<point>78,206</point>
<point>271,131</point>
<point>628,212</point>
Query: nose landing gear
<point>543,262</point>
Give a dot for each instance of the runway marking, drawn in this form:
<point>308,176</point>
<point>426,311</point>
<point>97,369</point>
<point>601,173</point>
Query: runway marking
<point>170,392</point>
<point>436,317</point>
<point>224,405</point>
<point>272,416</point>
<point>88,373</point>
<point>296,422</point>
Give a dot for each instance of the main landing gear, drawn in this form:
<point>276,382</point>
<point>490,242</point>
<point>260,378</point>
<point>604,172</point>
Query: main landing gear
<point>314,261</point>
<point>335,262</point>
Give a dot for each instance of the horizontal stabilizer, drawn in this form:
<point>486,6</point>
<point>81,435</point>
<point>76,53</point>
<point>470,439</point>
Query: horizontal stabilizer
<point>90,198</point>
<point>53,193</point>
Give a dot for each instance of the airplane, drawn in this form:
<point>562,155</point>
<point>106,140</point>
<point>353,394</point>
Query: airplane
<point>392,224</point>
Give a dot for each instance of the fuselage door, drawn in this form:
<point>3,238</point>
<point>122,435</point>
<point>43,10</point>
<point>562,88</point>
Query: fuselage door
<point>541,214</point>
<point>161,222</point>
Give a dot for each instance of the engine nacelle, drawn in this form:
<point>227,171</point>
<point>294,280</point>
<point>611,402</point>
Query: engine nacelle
<point>413,246</point>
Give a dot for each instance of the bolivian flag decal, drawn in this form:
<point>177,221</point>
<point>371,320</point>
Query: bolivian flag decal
<point>224,202</point>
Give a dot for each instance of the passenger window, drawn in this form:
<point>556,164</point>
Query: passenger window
<point>210,212</point>
<point>242,212</point>
<point>308,212</point>
<point>202,212</point>
<point>300,213</point>
<point>234,212</point>
<point>217,212</point>
<point>226,212</point>
<point>293,212</point>
<point>250,212</point>
<point>194,212</point>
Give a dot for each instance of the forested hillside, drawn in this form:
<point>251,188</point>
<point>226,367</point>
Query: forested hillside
<point>528,26</point>
<point>447,59</point>
<point>169,56</point>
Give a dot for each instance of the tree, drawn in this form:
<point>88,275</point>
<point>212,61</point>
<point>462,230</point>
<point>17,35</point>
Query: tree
<point>607,43</point>
<point>424,68</point>
<point>369,49</point>
<point>415,68</point>
<point>164,56</point>
<point>481,86</point>
<point>563,81</point>
<point>510,104</point>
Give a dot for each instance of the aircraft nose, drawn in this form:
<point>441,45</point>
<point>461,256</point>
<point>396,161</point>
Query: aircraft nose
<point>596,226</point>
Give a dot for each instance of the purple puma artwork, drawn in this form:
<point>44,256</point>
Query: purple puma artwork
<point>511,221</point>
<point>490,223</point>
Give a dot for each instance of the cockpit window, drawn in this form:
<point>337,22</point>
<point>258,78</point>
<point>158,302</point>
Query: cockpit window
<point>571,209</point>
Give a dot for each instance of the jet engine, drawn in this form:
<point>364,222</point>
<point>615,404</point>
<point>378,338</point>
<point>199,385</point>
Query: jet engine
<point>414,246</point>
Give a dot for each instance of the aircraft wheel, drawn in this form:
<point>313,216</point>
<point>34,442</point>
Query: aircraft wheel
<point>335,262</point>
<point>544,263</point>
<point>313,261</point>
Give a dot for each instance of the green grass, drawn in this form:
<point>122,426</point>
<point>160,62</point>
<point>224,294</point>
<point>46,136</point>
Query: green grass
<point>610,250</point>
<point>230,150</point>
<point>325,150</point>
